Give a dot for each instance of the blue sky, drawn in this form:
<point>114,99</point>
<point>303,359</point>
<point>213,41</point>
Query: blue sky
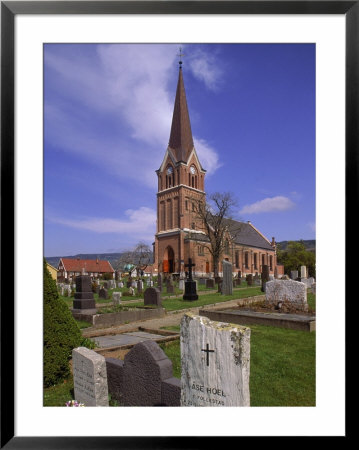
<point>107,118</point>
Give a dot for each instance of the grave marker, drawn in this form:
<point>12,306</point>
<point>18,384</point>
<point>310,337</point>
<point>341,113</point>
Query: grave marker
<point>227,284</point>
<point>294,292</point>
<point>215,363</point>
<point>90,377</point>
<point>152,296</point>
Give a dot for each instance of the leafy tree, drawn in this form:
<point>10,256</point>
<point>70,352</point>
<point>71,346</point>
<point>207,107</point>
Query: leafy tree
<point>61,333</point>
<point>296,255</point>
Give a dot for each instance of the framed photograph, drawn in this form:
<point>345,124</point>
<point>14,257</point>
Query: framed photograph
<point>64,104</point>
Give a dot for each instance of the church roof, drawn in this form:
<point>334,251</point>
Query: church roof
<point>244,233</point>
<point>181,140</point>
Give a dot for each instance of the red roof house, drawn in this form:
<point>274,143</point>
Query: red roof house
<point>70,268</point>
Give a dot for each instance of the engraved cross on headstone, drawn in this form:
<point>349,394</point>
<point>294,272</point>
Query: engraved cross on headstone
<point>208,351</point>
<point>190,265</point>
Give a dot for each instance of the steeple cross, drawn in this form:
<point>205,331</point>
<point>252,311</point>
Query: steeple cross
<point>180,56</point>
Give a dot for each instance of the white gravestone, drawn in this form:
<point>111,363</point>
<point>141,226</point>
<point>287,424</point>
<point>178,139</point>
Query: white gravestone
<point>116,297</point>
<point>90,377</point>
<point>294,292</point>
<point>215,363</point>
<point>303,272</point>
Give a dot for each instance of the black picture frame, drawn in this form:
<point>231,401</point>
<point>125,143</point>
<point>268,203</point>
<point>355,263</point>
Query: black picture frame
<point>9,10</point>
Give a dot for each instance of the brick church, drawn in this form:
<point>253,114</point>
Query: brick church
<point>181,181</point>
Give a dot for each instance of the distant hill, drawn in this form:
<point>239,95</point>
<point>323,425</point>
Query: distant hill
<point>309,244</point>
<point>111,257</point>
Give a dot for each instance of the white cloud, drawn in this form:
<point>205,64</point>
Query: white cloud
<point>273,204</point>
<point>129,84</point>
<point>137,223</point>
<point>207,156</point>
<point>204,67</point>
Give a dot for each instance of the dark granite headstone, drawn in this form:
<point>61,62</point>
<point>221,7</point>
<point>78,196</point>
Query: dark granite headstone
<point>210,283</point>
<point>152,296</point>
<point>139,286</point>
<point>238,282</point>
<point>220,282</point>
<point>265,277</point>
<point>103,293</point>
<point>145,369</point>
<point>84,300</point>
<point>170,287</point>
<point>249,279</point>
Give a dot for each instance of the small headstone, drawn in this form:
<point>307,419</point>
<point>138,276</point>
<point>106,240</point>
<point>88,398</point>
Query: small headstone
<point>281,291</point>
<point>139,286</point>
<point>294,274</point>
<point>264,277</point>
<point>202,281</point>
<point>116,297</point>
<point>103,293</point>
<point>237,281</point>
<point>181,284</point>
<point>227,285</point>
<point>215,363</point>
<point>152,296</point>
<point>303,272</point>
<point>131,290</point>
<point>210,283</point>
<point>249,279</point>
<point>90,377</point>
<point>106,285</point>
<point>170,287</point>
<point>120,285</point>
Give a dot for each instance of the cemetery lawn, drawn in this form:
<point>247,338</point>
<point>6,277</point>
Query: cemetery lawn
<point>282,371</point>
<point>59,394</point>
<point>177,303</point>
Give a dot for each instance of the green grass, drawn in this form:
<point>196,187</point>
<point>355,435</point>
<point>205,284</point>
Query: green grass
<point>311,301</point>
<point>59,394</point>
<point>174,304</point>
<point>282,368</point>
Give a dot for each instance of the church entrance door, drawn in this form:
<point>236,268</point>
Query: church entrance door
<point>168,260</point>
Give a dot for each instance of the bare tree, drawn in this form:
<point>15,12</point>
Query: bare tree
<point>136,259</point>
<point>213,217</point>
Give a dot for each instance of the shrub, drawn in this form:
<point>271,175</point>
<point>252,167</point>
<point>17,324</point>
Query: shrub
<point>61,334</point>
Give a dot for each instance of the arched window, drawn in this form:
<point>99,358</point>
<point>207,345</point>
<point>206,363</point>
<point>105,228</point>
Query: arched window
<point>169,177</point>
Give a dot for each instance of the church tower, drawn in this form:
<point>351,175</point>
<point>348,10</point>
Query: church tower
<point>180,181</point>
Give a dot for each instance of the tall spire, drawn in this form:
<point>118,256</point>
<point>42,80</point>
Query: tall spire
<point>181,140</point>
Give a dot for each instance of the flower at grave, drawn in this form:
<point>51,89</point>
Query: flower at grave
<point>74,403</point>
